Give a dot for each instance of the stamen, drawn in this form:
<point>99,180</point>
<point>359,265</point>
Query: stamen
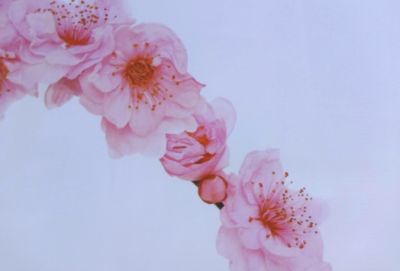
<point>75,20</point>
<point>284,213</point>
<point>139,72</point>
<point>3,74</point>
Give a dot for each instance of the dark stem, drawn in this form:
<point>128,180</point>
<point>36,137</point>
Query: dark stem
<point>219,205</point>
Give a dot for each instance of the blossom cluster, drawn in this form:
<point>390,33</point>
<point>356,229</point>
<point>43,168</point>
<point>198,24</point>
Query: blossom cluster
<point>134,76</point>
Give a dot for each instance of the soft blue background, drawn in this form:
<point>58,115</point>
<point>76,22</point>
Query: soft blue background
<point>318,79</point>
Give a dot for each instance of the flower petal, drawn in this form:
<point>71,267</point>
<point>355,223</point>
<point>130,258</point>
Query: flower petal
<point>60,92</point>
<point>170,46</point>
<point>41,24</point>
<point>144,121</point>
<point>117,109</point>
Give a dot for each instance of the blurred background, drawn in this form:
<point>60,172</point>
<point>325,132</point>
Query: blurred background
<point>317,79</point>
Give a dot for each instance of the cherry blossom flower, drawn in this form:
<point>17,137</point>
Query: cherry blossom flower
<point>143,90</point>
<point>12,87</point>
<point>65,38</point>
<point>266,225</point>
<point>202,153</point>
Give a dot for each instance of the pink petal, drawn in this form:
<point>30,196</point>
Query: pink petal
<point>276,247</point>
<point>30,75</point>
<point>7,32</point>
<point>104,40</point>
<point>60,92</point>
<point>41,23</point>
<point>125,37</point>
<point>117,109</point>
<point>17,10</point>
<point>229,246</point>
<point>170,46</point>
<point>122,141</point>
<point>103,80</point>
<point>62,57</point>
<point>250,237</point>
<point>262,164</point>
<point>224,110</point>
<point>91,98</point>
<point>187,99</point>
<point>144,121</point>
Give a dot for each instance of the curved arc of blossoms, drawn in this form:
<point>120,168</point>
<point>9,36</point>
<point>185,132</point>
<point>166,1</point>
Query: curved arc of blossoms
<point>135,78</point>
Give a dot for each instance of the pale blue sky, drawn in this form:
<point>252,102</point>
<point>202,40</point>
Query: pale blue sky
<point>317,79</point>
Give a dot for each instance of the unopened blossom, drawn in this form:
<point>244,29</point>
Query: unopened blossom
<point>265,224</point>
<point>203,152</point>
<point>143,90</point>
<point>213,189</point>
<point>65,38</point>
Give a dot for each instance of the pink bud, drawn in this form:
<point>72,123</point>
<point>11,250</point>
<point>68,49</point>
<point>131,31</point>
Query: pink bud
<point>213,189</point>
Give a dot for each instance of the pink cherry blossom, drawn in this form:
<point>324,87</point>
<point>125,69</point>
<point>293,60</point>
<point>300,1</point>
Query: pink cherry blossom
<point>267,226</point>
<point>12,87</point>
<point>196,155</point>
<point>213,189</point>
<point>65,38</point>
<point>143,90</point>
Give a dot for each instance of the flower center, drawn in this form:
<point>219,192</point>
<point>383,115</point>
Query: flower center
<point>75,20</point>
<point>139,72</point>
<point>285,214</point>
<point>74,36</point>
<point>3,73</point>
<point>273,217</point>
<point>200,135</point>
<point>147,76</point>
